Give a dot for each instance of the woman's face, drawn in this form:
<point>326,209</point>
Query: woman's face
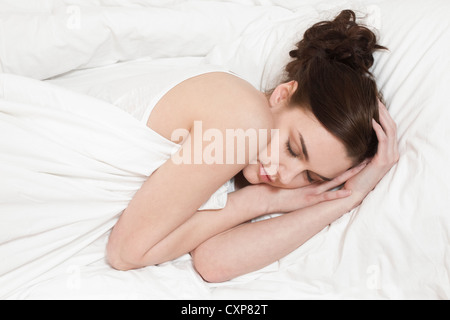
<point>307,152</point>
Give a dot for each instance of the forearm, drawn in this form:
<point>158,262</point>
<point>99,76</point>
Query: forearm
<point>204,225</point>
<point>253,246</point>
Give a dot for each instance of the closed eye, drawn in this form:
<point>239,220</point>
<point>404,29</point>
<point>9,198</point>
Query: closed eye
<point>309,178</point>
<point>289,149</point>
<point>306,156</point>
<point>293,154</point>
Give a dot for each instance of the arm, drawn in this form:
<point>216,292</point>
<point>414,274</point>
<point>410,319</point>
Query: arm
<point>252,246</point>
<point>242,206</point>
<point>172,194</point>
<point>166,201</point>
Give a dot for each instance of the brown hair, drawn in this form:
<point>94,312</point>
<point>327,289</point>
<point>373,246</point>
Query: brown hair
<point>331,66</point>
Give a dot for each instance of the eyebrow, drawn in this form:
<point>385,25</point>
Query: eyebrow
<point>304,150</point>
<point>305,153</point>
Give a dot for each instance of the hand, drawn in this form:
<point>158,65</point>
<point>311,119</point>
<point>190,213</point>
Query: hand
<point>387,156</point>
<point>279,200</point>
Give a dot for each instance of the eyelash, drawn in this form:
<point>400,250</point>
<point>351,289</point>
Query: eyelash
<point>292,153</point>
<point>289,149</point>
<point>308,177</point>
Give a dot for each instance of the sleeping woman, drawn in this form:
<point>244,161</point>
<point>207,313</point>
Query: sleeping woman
<point>332,131</point>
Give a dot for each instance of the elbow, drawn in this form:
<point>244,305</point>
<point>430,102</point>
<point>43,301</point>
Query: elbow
<point>120,259</point>
<point>208,267</point>
<point>116,261</point>
<point>126,255</point>
<point>119,264</point>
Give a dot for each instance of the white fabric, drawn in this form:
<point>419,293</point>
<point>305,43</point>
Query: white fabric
<point>136,87</point>
<point>80,34</point>
<point>88,155</point>
<point>394,246</point>
<point>133,86</point>
<point>69,164</point>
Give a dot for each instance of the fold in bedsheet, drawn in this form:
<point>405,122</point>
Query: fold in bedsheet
<point>79,150</point>
<point>87,34</point>
<point>69,166</point>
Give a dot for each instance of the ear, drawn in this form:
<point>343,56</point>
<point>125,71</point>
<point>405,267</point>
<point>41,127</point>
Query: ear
<point>282,94</point>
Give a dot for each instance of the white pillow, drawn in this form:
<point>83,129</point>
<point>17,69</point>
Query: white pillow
<point>62,37</point>
<point>262,52</point>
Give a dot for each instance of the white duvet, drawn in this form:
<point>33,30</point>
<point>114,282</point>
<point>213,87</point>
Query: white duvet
<point>394,246</point>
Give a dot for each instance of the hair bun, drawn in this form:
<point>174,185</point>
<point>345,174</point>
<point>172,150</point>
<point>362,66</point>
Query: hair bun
<point>341,40</point>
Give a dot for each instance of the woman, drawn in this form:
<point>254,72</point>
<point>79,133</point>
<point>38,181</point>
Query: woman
<point>332,130</point>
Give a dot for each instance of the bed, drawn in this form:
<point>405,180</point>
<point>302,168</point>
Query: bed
<point>396,245</point>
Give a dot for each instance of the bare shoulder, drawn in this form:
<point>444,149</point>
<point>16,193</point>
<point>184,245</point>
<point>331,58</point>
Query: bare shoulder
<point>226,98</point>
<point>218,99</point>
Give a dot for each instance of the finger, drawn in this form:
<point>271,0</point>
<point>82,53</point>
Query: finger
<point>381,134</point>
<point>351,173</point>
<point>382,140</point>
<point>335,195</point>
<point>387,153</point>
<point>388,124</point>
<point>343,177</point>
<point>389,127</point>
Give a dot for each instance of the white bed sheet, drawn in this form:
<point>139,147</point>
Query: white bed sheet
<point>396,245</point>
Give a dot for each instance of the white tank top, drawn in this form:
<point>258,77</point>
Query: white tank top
<point>141,100</point>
